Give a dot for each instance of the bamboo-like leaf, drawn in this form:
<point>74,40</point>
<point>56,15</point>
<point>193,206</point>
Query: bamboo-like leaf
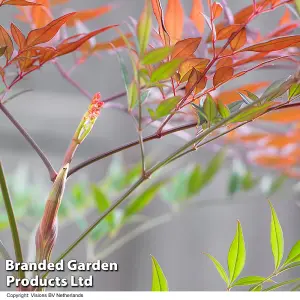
<point>281,284</point>
<point>276,238</point>
<point>186,48</point>
<point>294,90</point>
<point>274,44</point>
<point>144,27</point>
<point>236,254</point>
<point>142,200</point>
<point>164,108</point>
<point>132,95</point>
<point>159,281</point>
<point>234,183</point>
<point>223,110</point>
<point>213,167</point>
<point>210,108</point>
<point>219,268</point>
<point>195,182</point>
<point>174,20</point>
<point>156,55</point>
<point>46,33</point>
<point>249,280</point>
<point>290,266</point>
<point>294,255</point>
<point>166,70</point>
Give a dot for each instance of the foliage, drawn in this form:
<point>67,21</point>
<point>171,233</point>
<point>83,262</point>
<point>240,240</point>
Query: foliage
<point>177,80</point>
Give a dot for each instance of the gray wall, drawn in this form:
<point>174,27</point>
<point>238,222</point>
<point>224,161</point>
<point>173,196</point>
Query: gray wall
<point>52,112</point>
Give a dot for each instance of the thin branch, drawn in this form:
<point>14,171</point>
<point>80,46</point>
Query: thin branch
<point>129,145</point>
<point>30,140</point>
<point>12,221</point>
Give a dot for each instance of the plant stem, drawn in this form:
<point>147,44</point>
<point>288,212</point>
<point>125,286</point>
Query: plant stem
<point>129,145</point>
<point>12,221</point>
<point>30,140</point>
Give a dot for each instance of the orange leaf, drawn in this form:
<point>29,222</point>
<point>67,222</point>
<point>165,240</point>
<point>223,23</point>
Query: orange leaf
<point>20,3</point>
<point>40,15</point>
<point>226,32</point>
<point>197,17</point>
<point>274,44</point>
<point>174,20</point>
<point>222,75</point>
<point>88,14</point>
<point>186,48</point>
<point>46,33</point>
<point>287,115</point>
<point>186,67</point>
<point>227,61</point>
<point>239,41</point>
<point>56,2</point>
<point>157,10</point>
<point>5,41</point>
<point>286,18</point>
<point>17,35</point>
<point>230,96</point>
<point>216,10</point>
<point>280,141</point>
<point>284,29</point>
<point>253,137</point>
<point>2,73</point>
<point>116,43</point>
<point>275,161</point>
<point>67,47</point>
<point>194,77</point>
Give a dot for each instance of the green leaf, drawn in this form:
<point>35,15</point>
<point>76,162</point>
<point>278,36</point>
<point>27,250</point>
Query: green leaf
<point>252,96</point>
<point>256,288</point>
<point>248,182</point>
<point>297,2</point>
<point>251,113</point>
<point>274,185</point>
<point>201,115</point>
<point>195,182</point>
<point>234,183</point>
<point>235,106</point>
<point>296,288</point>
<point>164,108</point>
<point>142,200</point>
<point>144,27</point>
<point>281,284</point>
<point>159,281</point>
<point>294,90</point>
<point>276,238</point>
<point>223,110</point>
<point>213,167</point>
<point>294,255</point>
<point>236,254</point>
<point>132,95</point>
<point>103,203</point>
<point>219,268</point>
<point>290,266</point>
<point>156,55</point>
<point>210,108</point>
<point>246,99</point>
<point>275,90</point>
<point>124,71</point>
<point>249,280</point>
<point>166,70</point>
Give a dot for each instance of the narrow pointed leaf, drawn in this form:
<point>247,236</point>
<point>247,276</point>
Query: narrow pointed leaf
<point>195,182</point>
<point>196,15</point>
<point>249,280</point>
<point>219,268</point>
<point>159,281</point>
<point>166,70</point>
<point>236,254</point>
<point>5,41</point>
<point>281,284</point>
<point>156,56</point>
<point>186,48</point>
<point>210,108</point>
<point>144,27</point>
<point>276,238</point>
<point>294,255</point>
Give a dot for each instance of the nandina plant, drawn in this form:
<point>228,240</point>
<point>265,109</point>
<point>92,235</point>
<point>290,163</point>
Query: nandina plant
<point>178,73</point>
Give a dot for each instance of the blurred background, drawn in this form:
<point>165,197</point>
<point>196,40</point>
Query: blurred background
<point>51,113</point>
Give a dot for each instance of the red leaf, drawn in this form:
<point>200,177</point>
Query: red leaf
<point>216,10</point>
<point>174,20</point>
<point>275,44</point>
<point>5,41</point>
<point>157,10</point>
<point>222,75</point>
<point>186,48</point>
<point>186,67</point>
<point>88,14</point>
<point>227,61</point>
<point>239,41</point>
<point>20,3</point>
<point>226,32</point>
<point>40,15</point>
<point>65,47</point>
<point>116,43</point>
<point>46,33</point>
<point>286,18</point>
<point>197,17</point>
<point>18,36</point>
